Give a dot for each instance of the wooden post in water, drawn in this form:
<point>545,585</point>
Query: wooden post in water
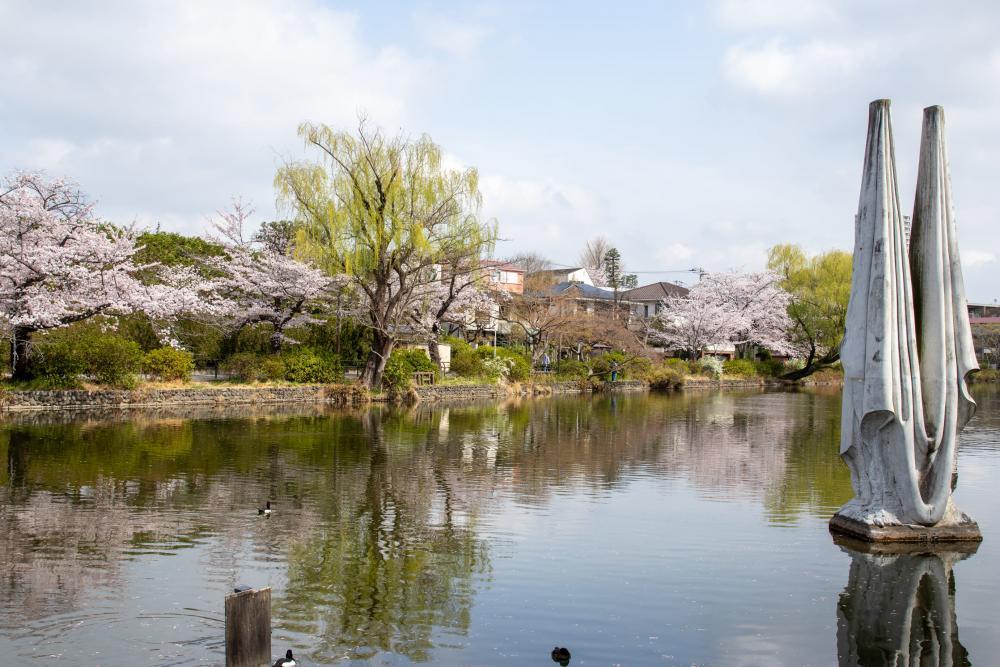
<point>248,628</point>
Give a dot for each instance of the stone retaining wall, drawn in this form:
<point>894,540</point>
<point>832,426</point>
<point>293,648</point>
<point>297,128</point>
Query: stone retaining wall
<point>431,393</point>
<point>750,383</point>
<point>112,398</point>
<point>339,395</point>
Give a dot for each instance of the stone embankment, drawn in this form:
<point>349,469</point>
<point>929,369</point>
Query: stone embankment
<point>70,399</point>
<point>732,383</point>
<point>335,395</point>
<point>452,392</point>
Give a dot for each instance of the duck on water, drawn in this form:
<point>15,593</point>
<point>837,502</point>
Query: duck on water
<point>287,661</point>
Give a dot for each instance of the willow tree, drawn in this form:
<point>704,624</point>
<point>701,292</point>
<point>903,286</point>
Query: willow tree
<point>386,213</point>
<point>820,287</point>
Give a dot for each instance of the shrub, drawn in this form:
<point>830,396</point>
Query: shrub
<point>666,377</point>
<point>169,363</point>
<point>271,368</point>
<point>628,367</point>
<point>114,361</point>
<point>680,365</point>
<point>55,365</point>
<point>245,366</point>
<point>458,345</point>
<point>517,365</point>
<point>769,367</point>
<point>303,364</point>
<point>711,366</point>
<point>403,362</point>
<point>466,363</point>
<point>743,368</point>
<point>571,369</point>
<point>107,358</point>
<point>794,365</point>
<point>986,375</point>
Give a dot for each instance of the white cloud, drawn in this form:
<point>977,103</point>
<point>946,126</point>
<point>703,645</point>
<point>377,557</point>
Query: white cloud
<point>775,68</point>
<point>171,108</point>
<point>449,35</point>
<point>548,217</point>
<point>752,14</point>
<point>977,257</point>
<point>675,252</point>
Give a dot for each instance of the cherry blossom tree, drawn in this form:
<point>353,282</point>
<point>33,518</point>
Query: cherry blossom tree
<point>741,309</point>
<point>260,282</point>
<point>692,324</point>
<point>59,264</point>
<point>457,297</point>
<point>761,304</point>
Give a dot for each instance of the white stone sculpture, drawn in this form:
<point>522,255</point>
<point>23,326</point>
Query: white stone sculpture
<point>898,608</point>
<point>907,350</point>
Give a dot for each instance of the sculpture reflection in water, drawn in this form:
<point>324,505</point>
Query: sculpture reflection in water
<point>899,606</point>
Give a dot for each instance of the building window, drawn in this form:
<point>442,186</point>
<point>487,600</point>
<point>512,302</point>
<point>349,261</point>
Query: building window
<point>645,309</point>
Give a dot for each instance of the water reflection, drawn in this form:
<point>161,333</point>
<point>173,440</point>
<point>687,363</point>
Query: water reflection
<point>428,534</point>
<point>899,606</point>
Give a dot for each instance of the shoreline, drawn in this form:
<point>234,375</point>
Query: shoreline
<point>70,400</point>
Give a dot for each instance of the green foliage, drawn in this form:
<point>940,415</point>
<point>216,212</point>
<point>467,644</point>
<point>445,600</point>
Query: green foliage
<point>402,364</point>
<point>571,369</point>
<point>629,367</point>
<point>466,363</point>
<point>516,367</point>
<point>169,363</point>
<point>769,367</point>
<point>55,364</point>
<point>271,367</point>
<point>666,377</point>
<point>458,345</point>
<point>170,249</point>
<point>203,339</point>
<point>63,355</point>
<point>820,287</point>
<point>303,364</point>
<point>377,209</point>
<point>743,368</point>
<point>682,366</point>
<point>987,375</point>
<point>347,339</point>
<point>137,327</point>
<point>711,366</point>
<point>244,366</point>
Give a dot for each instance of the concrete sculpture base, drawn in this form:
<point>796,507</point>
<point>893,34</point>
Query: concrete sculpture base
<point>965,530</point>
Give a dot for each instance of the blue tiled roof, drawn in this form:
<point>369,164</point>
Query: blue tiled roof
<point>585,291</point>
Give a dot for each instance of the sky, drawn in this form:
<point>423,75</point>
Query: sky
<point>691,134</point>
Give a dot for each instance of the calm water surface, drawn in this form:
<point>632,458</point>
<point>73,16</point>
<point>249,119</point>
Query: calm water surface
<point>636,530</point>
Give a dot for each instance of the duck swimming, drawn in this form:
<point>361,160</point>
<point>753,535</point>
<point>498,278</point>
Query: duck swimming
<point>560,655</point>
<point>287,661</point>
<point>267,509</point>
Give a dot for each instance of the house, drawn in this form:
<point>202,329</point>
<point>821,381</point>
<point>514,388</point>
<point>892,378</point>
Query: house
<point>558,276</point>
<point>503,276</point>
<point>586,298</point>
<point>983,310</point>
<point>645,302</point>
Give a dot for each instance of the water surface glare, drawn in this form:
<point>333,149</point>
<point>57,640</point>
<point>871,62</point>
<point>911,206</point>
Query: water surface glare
<point>688,529</point>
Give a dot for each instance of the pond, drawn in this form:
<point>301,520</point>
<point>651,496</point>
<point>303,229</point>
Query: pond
<point>633,529</point>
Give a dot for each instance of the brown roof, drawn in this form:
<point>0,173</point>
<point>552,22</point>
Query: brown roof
<point>654,292</point>
<point>502,265</point>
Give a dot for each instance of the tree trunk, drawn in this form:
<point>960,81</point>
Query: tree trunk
<point>20,344</point>
<point>432,345</point>
<point>276,342</point>
<point>371,375</point>
<point>827,359</point>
